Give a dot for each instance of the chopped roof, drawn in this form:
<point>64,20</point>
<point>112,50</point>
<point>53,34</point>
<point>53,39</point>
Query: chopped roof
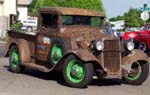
<point>71,11</point>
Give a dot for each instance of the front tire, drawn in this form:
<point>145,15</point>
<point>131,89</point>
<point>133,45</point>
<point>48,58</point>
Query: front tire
<point>58,48</point>
<point>139,73</point>
<point>76,73</point>
<point>14,60</point>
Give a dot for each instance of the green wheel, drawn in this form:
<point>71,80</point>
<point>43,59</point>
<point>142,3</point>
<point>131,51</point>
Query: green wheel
<point>14,60</point>
<point>58,49</point>
<point>57,53</point>
<point>76,73</point>
<point>138,74</point>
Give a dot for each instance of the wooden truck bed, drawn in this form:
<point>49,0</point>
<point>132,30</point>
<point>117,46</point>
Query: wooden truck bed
<point>20,35</point>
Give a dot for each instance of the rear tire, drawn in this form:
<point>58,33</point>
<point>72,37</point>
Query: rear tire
<point>14,60</point>
<point>76,73</point>
<point>139,74</point>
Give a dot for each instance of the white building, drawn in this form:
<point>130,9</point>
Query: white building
<point>117,25</point>
<point>7,9</point>
<point>23,9</point>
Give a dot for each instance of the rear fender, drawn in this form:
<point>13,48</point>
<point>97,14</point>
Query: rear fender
<point>24,49</point>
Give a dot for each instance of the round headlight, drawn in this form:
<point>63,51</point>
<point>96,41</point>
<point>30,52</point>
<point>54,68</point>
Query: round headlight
<point>130,45</point>
<point>99,45</point>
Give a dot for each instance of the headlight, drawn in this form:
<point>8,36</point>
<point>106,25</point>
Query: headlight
<point>130,45</point>
<point>99,45</point>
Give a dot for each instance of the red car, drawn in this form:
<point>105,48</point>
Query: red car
<point>141,38</point>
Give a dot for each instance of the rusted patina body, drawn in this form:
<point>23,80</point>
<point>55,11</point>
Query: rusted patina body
<point>113,61</point>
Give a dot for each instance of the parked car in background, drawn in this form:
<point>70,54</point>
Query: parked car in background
<point>109,30</point>
<point>141,38</point>
<point>117,25</point>
<point>133,29</point>
<point>29,24</point>
<point>116,33</point>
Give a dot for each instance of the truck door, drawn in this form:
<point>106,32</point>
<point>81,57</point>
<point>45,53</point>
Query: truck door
<point>48,28</point>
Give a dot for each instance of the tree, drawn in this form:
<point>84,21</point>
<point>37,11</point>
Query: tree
<point>148,21</point>
<point>117,18</point>
<point>85,4</point>
<point>32,5</point>
<point>133,19</point>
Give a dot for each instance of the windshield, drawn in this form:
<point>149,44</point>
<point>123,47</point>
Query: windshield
<point>81,20</point>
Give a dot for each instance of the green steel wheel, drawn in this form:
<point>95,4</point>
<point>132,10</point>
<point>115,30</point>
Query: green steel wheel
<point>138,74</point>
<point>76,73</point>
<point>14,60</point>
<point>58,49</point>
<point>57,53</point>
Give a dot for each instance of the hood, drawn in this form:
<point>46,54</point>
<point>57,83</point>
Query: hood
<point>83,35</point>
<point>87,33</point>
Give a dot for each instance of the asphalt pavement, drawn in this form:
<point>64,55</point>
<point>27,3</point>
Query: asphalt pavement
<point>37,83</point>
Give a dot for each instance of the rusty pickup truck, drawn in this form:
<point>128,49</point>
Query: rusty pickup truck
<point>72,41</point>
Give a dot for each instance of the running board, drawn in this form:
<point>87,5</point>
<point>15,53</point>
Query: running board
<point>36,67</point>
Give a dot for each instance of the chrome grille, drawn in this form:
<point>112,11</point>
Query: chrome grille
<point>112,57</point>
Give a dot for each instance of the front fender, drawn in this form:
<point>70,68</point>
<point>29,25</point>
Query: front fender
<point>84,55</point>
<point>128,60</point>
<point>135,55</point>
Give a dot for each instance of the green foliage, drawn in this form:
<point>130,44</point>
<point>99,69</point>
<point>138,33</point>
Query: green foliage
<point>148,21</point>
<point>132,18</point>
<point>85,4</point>
<point>95,21</point>
<point>17,25</point>
<point>117,18</point>
<point>32,5</point>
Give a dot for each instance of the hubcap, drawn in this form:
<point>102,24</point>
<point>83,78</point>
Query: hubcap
<point>57,53</point>
<point>14,58</point>
<point>135,72</point>
<point>75,71</point>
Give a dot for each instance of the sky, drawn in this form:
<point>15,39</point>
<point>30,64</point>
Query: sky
<point>119,7</point>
